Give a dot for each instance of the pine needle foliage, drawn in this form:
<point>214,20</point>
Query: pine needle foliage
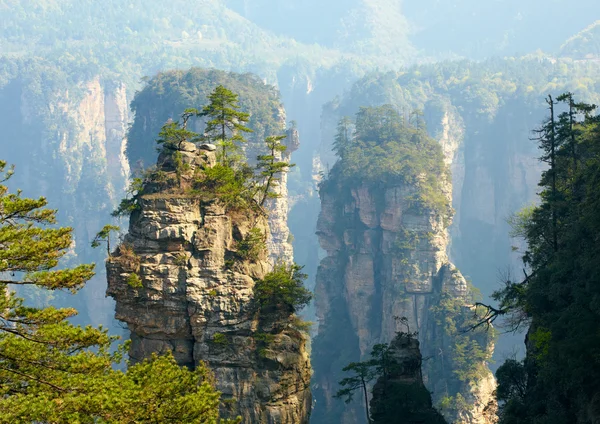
<point>53,371</point>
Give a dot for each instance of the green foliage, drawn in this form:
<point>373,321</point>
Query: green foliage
<point>282,289</point>
<point>406,242</point>
<point>468,352</point>
<point>134,281</point>
<point>299,324</point>
<point>264,342</point>
<point>518,221</point>
<point>270,168</point>
<point>181,259</point>
<point>130,204</point>
<point>558,380</point>
<point>363,373</point>
<point>226,123</point>
<point>173,134</point>
<point>385,150</point>
<point>512,382</point>
<point>180,167</point>
<point>232,186</point>
<point>220,339</point>
<point>103,236</point>
<point>253,246</point>
<point>54,371</point>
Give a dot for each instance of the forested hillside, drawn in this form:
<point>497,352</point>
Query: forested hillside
<point>86,87</point>
<point>557,295</point>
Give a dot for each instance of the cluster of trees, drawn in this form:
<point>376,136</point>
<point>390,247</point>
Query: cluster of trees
<point>381,148</point>
<point>557,383</point>
<point>231,180</point>
<point>54,371</point>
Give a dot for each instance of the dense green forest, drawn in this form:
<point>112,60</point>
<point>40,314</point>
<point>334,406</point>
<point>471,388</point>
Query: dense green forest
<point>86,87</point>
<point>556,296</point>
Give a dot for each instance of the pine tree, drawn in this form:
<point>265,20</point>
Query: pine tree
<point>53,371</point>
<point>226,123</point>
<point>270,168</point>
<point>173,134</point>
<point>343,138</point>
<point>103,236</point>
<point>364,373</point>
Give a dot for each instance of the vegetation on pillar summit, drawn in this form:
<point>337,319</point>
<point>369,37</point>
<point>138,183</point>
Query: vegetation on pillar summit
<point>54,371</point>
<point>395,400</point>
<point>381,148</point>
<point>226,125</point>
<point>231,180</point>
<point>558,296</point>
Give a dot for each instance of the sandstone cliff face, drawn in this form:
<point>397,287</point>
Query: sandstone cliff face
<point>279,241</point>
<point>385,260</point>
<point>196,299</point>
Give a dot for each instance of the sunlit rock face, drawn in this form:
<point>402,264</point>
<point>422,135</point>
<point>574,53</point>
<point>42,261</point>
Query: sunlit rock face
<point>386,259</point>
<point>196,300</point>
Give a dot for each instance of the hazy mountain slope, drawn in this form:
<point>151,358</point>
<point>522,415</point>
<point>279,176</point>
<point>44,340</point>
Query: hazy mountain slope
<point>484,28</point>
<point>364,26</point>
<point>585,44</point>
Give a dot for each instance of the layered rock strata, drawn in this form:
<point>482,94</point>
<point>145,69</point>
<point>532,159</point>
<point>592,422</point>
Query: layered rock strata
<point>386,259</point>
<point>194,297</point>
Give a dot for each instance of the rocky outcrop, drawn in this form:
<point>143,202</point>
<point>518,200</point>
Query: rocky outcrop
<point>267,117</point>
<point>182,285</point>
<point>387,259</point>
<point>400,396</point>
<point>279,240</point>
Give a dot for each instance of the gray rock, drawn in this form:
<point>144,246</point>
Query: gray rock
<point>186,146</point>
<point>387,259</point>
<point>207,146</point>
<point>197,304</point>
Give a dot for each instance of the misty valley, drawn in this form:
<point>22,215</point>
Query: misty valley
<point>293,212</point>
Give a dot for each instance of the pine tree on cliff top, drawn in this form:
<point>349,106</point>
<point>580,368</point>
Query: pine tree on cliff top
<point>226,123</point>
<point>53,371</point>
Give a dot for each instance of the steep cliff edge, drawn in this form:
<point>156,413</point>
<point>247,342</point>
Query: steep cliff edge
<point>385,210</point>
<point>154,105</point>
<point>182,283</point>
<point>66,138</point>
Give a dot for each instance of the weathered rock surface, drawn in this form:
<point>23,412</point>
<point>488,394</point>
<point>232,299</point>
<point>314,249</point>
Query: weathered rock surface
<point>279,240</point>
<point>387,259</point>
<point>196,299</point>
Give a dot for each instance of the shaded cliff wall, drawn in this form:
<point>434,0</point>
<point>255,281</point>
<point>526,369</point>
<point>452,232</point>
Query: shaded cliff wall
<point>482,115</point>
<point>386,260</point>
<point>67,140</point>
